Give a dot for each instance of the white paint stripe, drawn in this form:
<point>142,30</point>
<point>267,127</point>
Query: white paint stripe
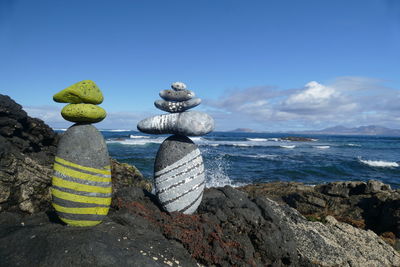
<point>178,178</point>
<point>183,160</point>
<point>194,207</point>
<point>184,201</point>
<point>180,189</point>
<point>197,161</point>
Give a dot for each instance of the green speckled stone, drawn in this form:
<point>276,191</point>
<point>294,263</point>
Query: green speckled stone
<point>87,113</point>
<point>81,92</point>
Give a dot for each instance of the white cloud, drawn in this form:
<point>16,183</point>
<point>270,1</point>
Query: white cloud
<point>347,100</point>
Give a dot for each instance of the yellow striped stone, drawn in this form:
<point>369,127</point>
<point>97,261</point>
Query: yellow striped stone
<point>82,92</point>
<point>86,113</point>
<point>81,194</point>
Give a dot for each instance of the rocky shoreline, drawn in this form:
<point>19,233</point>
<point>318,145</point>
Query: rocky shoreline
<point>274,224</point>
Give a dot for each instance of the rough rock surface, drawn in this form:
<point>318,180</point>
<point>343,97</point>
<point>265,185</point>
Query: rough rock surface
<point>230,229</point>
<point>27,148</point>
<point>368,205</point>
<point>83,113</point>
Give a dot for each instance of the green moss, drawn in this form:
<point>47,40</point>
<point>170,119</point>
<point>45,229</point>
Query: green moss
<point>82,92</point>
<point>83,113</point>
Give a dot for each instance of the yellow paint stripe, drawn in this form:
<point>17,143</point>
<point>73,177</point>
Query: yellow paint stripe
<point>79,175</point>
<point>79,222</point>
<point>68,163</point>
<point>80,187</point>
<point>93,210</point>
<point>80,199</point>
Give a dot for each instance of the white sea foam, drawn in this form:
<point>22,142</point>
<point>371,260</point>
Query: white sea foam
<point>198,139</point>
<point>321,147</point>
<point>263,139</point>
<point>138,136</point>
<point>216,175</point>
<point>116,130</point>
<point>261,156</point>
<point>257,139</point>
<point>241,144</point>
<point>288,146</point>
<point>213,145</point>
<point>60,129</point>
<point>137,141</point>
<point>354,145</point>
<point>380,163</point>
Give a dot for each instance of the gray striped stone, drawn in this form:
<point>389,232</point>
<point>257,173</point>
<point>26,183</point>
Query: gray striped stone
<point>189,123</point>
<point>172,106</point>
<point>173,95</point>
<point>179,178</point>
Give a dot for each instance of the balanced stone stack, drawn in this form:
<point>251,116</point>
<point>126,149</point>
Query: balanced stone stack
<point>81,184</point>
<point>179,178</point>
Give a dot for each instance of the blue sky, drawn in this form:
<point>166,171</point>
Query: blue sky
<point>268,65</point>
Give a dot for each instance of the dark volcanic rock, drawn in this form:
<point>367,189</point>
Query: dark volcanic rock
<point>369,205</point>
<point>27,148</point>
<point>36,241</point>
<point>125,175</point>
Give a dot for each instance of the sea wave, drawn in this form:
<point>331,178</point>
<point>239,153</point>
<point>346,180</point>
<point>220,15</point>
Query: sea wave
<point>288,146</point>
<point>116,130</point>
<point>261,156</point>
<point>322,147</point>
<point>263,139</point>
<point>379,163</point>
<point>138,136</point>
<point>357,145</point>
<point>136,141</point>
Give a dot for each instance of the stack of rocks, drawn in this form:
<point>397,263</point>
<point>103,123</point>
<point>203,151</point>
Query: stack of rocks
<point>81,183</point>
<point>179,169</point>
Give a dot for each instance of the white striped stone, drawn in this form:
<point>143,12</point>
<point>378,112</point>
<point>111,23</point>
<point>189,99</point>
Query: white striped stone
<point>179,175</point>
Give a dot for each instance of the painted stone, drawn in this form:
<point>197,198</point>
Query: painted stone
<point>179,175</point>
<point>190,123</point>
<point>81,183</point>
<point>81,92</point>
<point>172,95</point>
<point>86,113</point>
<point>178,86</point>
<point>172,107</point>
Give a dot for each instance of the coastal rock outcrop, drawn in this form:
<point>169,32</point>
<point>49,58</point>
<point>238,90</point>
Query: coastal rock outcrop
<point>26,149</point>
<point>368,205</point>
<point>230,229</point>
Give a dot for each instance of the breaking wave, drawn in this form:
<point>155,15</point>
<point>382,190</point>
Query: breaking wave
<point>379,163</point>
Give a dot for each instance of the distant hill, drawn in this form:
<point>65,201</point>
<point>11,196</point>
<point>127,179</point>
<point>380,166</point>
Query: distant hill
<point>362,130</point>
<point>243,130</point>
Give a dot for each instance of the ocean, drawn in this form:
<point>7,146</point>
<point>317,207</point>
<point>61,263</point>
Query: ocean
<point>244,158</point>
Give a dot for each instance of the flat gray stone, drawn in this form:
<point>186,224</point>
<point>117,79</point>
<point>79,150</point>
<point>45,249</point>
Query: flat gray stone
<point>189,123</point>
<point>172,107</point>
<point>179,175</point>
<point>173,95</point>
<point>178,86</point>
